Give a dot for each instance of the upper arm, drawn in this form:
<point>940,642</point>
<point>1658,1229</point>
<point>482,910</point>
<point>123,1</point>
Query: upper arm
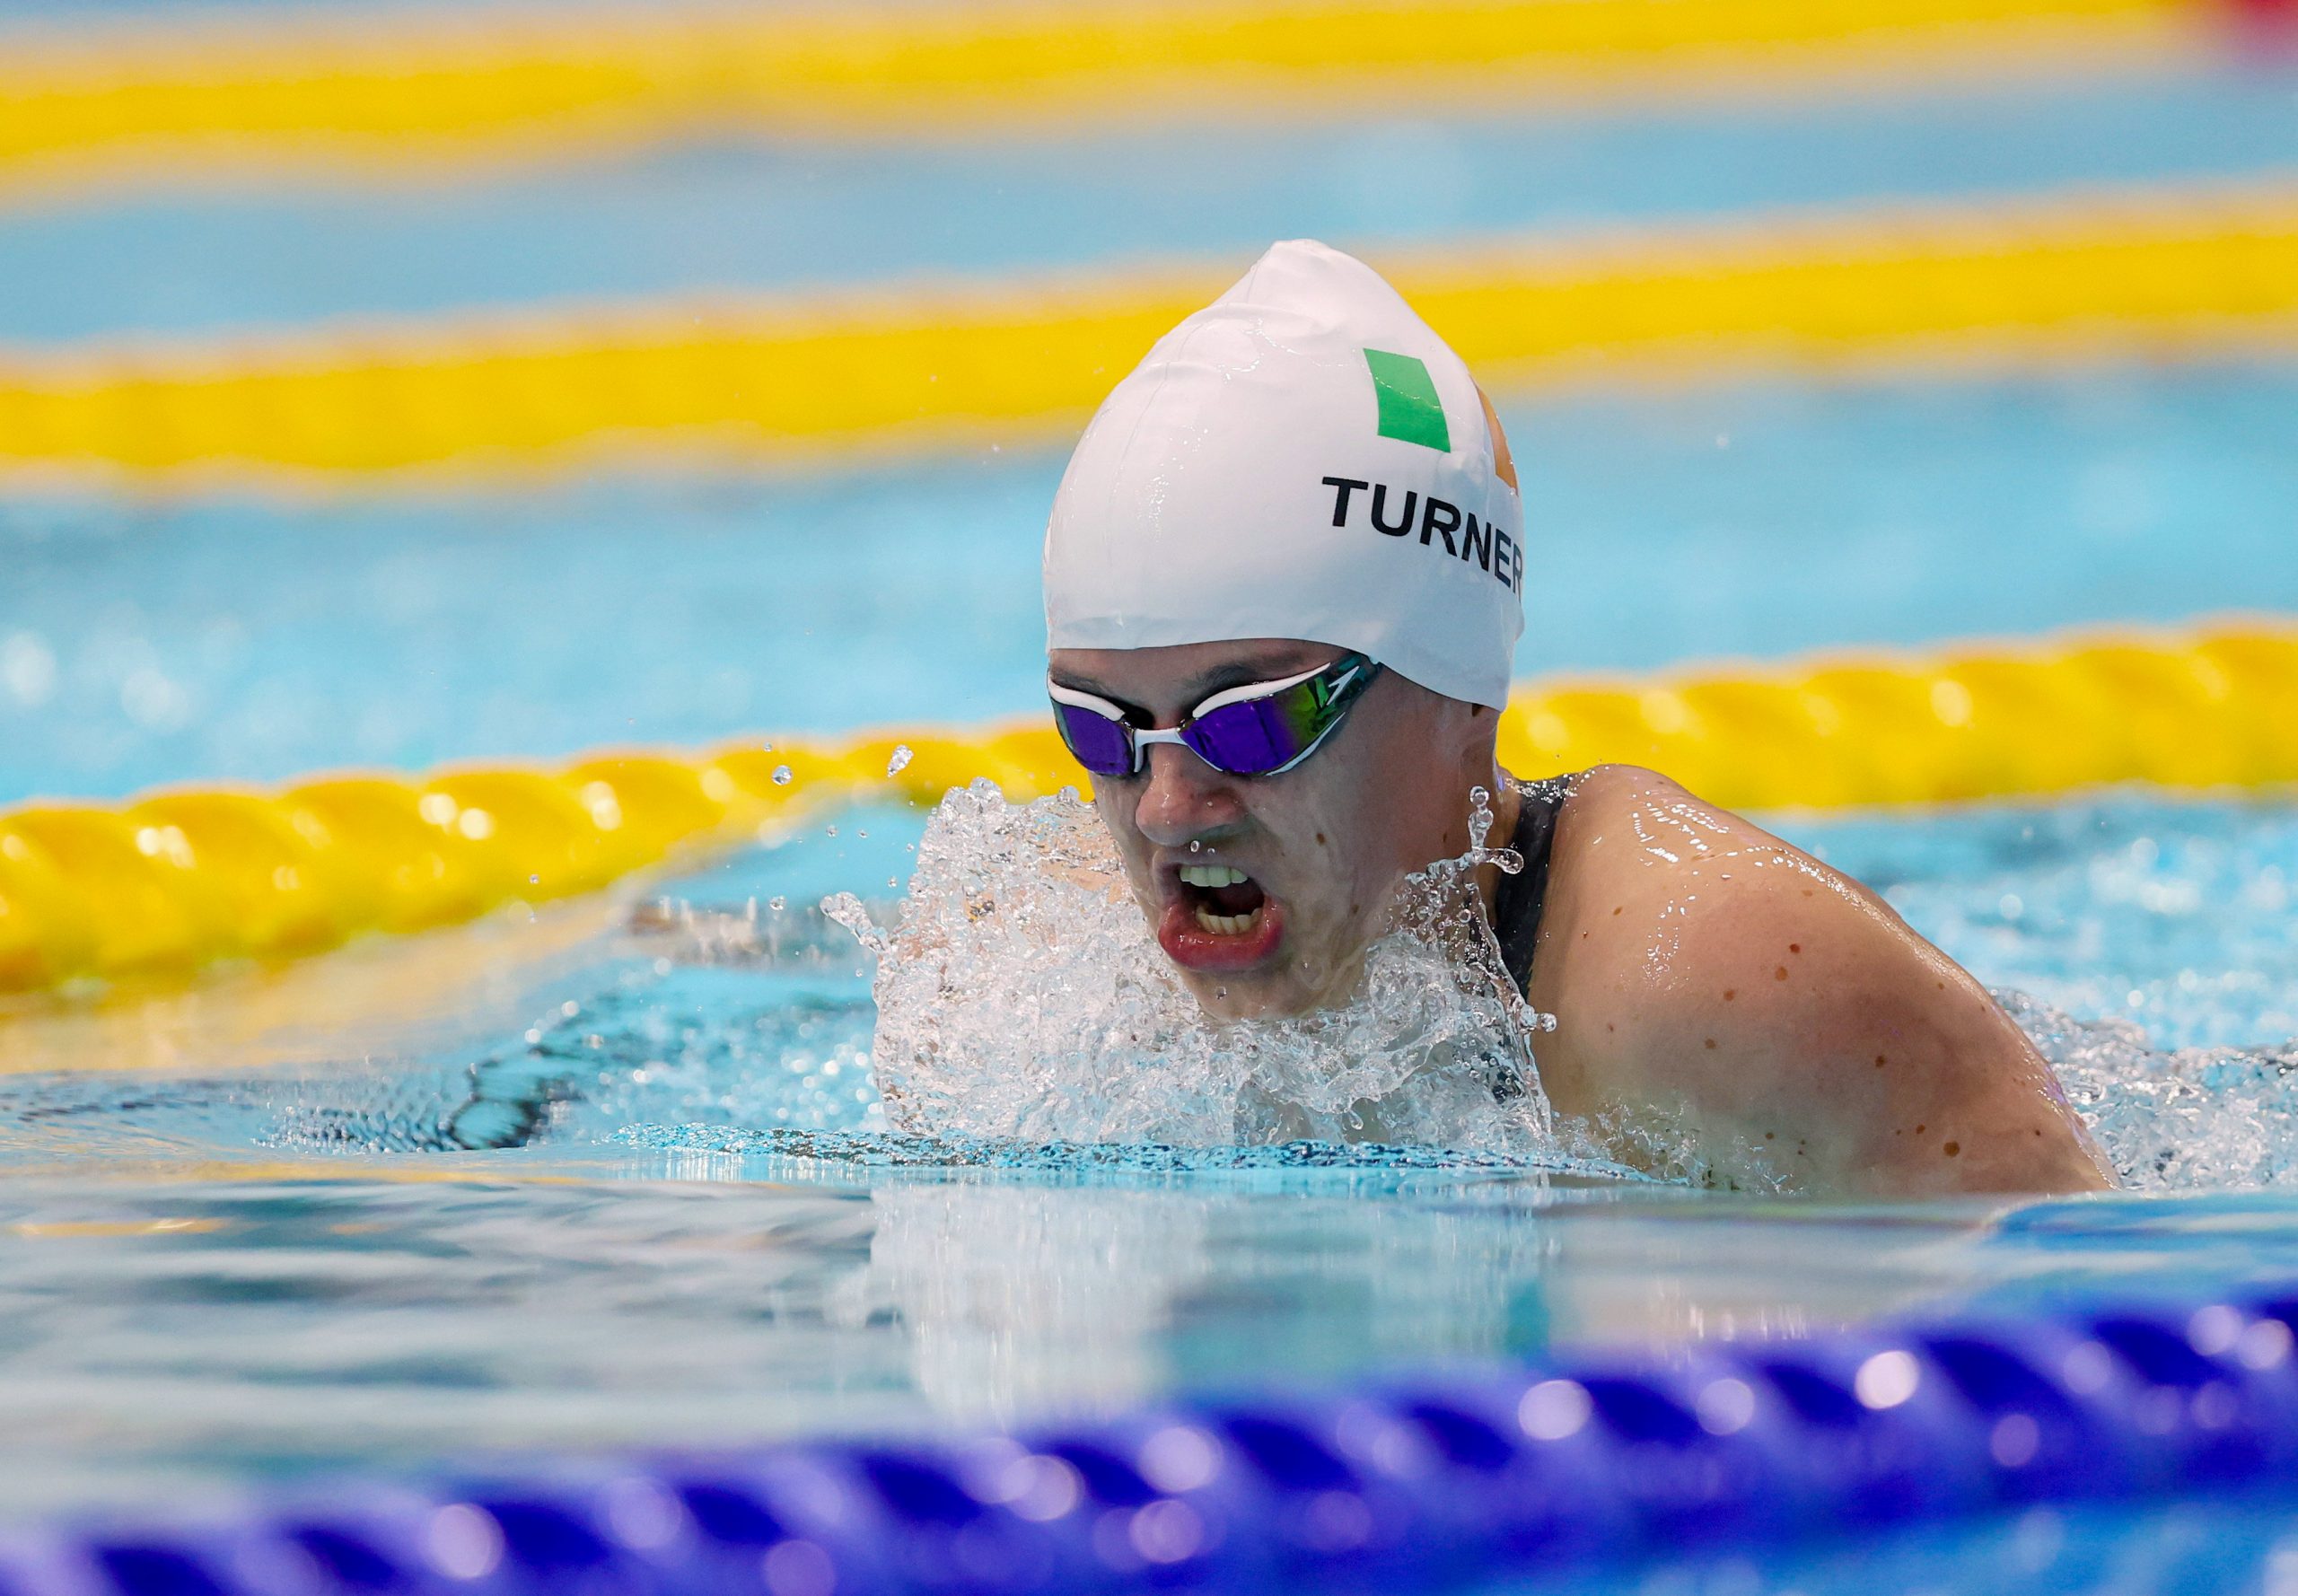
<point>1705,971</point>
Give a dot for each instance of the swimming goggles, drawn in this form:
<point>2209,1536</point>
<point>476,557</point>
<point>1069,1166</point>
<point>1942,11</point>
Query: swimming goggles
<point>1260,728</point>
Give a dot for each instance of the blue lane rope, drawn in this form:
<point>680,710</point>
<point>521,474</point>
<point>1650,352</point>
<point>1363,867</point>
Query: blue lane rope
<point>1412,1484</point>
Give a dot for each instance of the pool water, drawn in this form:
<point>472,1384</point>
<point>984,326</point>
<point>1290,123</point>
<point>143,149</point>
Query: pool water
<point>241,636</point>
<point>615,1172</point>
<point>643,1193</point>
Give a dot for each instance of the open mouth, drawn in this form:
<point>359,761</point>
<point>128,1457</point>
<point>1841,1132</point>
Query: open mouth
<point>1218,918</point>
<point>1224,900</point>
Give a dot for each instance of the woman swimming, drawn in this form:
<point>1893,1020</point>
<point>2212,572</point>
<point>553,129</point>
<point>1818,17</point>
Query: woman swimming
<point>1284,590</point>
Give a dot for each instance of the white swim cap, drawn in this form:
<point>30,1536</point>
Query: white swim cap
<point>1302,458</point>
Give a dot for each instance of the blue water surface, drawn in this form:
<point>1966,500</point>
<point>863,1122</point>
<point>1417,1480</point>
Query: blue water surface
<point>245,639</point>
<point>617,1173</point>
<point>791,217</point>
<point>644,1194</point>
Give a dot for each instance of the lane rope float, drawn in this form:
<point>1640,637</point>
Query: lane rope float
<point>164,883</point>
<point>1468,1479</point>
<point>390,88</point>
<point>2156,273</point>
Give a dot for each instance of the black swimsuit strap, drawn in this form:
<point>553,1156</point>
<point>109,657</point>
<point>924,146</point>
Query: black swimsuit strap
<point>1517,903</point>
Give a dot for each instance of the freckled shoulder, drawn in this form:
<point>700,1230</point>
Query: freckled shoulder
<point>1631,837</point>
<point>1704,968</point>
<point>1656,896</point>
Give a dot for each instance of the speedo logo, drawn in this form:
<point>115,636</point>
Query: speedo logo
<point>1431,518</point>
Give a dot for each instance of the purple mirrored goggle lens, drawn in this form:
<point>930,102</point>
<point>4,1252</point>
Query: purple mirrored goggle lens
<point>1251,736</point>
<point>1102,746</point>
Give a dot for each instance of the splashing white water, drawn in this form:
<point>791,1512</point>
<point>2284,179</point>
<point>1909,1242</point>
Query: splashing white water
<point>1023,995</point>
<point>2188,1119</point>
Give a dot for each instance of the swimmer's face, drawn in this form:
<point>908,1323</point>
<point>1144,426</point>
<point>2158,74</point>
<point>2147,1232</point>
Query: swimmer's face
<point>1321,846</point>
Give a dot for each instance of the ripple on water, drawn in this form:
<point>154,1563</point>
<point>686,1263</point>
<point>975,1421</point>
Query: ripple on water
<point>900,1150</point>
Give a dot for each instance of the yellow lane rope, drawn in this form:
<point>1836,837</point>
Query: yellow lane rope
<point>1023,364</point>
<point>169,881</point>
<point>388,85</point>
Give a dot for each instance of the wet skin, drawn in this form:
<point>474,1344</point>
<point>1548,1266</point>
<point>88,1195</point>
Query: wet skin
<point>1708,979</point>
<point>1706,975</point>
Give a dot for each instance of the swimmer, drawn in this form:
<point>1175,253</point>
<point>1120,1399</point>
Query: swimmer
<point>1284,583</point>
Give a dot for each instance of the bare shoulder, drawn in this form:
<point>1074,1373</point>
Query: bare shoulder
<point>1695,871</point>
<point>1708,973</point>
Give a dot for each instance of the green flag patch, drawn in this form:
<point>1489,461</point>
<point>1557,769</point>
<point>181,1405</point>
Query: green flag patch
<point>1410,411</point>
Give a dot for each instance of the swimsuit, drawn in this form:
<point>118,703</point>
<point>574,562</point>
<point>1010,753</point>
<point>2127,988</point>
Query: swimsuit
<point>1516,904</point>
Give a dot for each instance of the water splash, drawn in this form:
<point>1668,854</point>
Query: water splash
<point>1021,995</point>
<point>952,1154</point>
<point>845,909</point>
<point>745,1027</point>
<point>2182,1119</point>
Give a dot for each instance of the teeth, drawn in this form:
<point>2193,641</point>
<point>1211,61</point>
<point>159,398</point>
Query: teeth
<point>1213,875</point>
<point>1225,925</point>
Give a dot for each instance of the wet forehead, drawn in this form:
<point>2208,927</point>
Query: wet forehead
<point>1179,678</point>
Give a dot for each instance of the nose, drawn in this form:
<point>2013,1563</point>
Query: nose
<point>1183,798</point>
